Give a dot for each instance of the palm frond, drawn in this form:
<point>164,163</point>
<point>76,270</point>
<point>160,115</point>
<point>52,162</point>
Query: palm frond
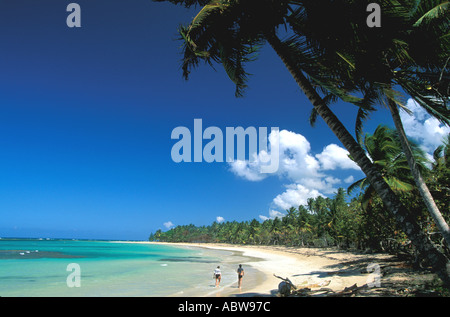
<point>313,117</point>
<point>395,96</point>
<point>361,117</point>
<point>398,185</point>
<point>430,90</point>
<point>215,37</point>
<point>359,184</point>
<point>431,10</point>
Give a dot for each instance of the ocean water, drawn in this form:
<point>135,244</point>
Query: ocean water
<point>44,268</point>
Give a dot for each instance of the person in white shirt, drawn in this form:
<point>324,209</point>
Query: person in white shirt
<point>217,275</point>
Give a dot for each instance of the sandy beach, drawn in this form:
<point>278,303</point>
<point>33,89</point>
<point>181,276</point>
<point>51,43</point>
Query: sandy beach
<point>305,267</point>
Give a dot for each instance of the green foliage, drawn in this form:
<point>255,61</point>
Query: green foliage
<point>325,222</point>
<point>384,149</point>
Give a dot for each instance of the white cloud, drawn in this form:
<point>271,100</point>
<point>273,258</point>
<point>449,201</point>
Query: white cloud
<point>220,219</point>
<point>326,184</point>
<point>349,179</point>
<point>297,163</point>
<point>334,157</point>
<point>272,215</point>
<point>422,127</point>
<point>248,170</point>
<point>169,224</point>
<point>294,196</point>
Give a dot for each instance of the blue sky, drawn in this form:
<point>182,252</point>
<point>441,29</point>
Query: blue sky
<point>86,116</point>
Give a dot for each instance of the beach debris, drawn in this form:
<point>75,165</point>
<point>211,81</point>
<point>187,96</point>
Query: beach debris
<point>315,285</point>
<point>399,280</point>
<point>287,288</point>
<point>284,289</point>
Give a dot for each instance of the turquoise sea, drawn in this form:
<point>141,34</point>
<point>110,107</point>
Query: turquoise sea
<point>44,268</point>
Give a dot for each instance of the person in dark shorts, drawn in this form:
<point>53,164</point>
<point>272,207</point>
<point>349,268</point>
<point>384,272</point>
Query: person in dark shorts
<point>240,272</point>
<point>217,275</point>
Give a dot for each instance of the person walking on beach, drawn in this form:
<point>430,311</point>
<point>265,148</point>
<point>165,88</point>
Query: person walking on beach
<point>217,275</point>
<point>240,272</point>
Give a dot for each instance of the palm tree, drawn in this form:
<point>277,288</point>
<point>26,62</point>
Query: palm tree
<point>254,231</point>
<point>230,32</point>
<point>383,147</point>
<point>411,52</point>
<point>440,174</point>
<point>435,100</point>
<point>441,156</point>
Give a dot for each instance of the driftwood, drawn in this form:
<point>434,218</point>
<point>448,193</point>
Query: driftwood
<point>287,288</point>
<point>389,289</point>
<point>348,291</point>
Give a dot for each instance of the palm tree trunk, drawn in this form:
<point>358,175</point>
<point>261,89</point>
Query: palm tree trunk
<point>421,185</point>
<point>408,224</point>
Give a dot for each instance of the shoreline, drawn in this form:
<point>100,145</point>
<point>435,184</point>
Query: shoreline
<point>306,267</point>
